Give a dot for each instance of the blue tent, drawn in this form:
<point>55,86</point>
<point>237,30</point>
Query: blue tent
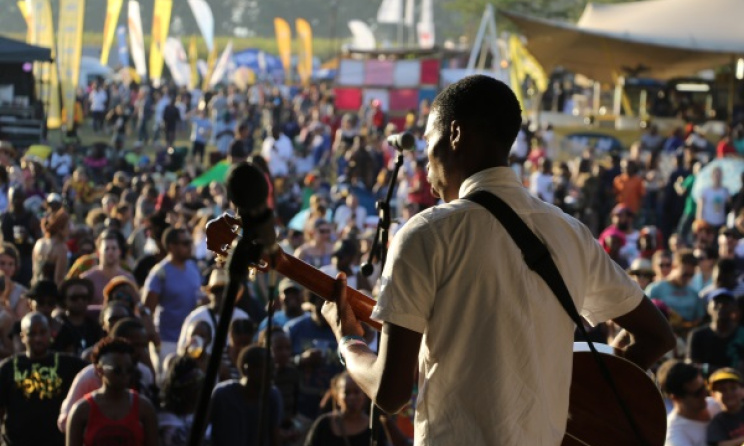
<point>261,62</point>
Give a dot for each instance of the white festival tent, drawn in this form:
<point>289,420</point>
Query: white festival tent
<point>652,38</point>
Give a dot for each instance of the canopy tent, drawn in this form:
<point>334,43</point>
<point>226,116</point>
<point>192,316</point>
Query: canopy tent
<point>654,38</point>
<point>14,51</point>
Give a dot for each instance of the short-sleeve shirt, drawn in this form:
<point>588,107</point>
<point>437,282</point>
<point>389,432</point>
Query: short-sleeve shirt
<point>491,327</point>
<point>31,391</point>
<point>682,299</point>
<point>178,292</point>
<point>235,420</point>
<point>725,426</point>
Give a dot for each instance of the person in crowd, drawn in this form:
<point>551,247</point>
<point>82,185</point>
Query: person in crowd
<point>44,299</point>
<point>662,264</point>
<point>629,187</point>
<point>121,289</point>
<point>350,213</point>
<point>88,380</point>
<point>706,258</point>
<point>14,294</point>
<point>291,298</point>
<point>113,414</point>
<point>541,181</point>
<point>642,272</point>
<point>241,334</point>
<point>111,248</point>
<point>318,250</point>
<point>171,292</point>
<point>349,424</point>
<point>622,225</point>
<point>471,128</point>
<point>726,276</point>
<point>32,386</point>
<point>345,259</point>
<point>201,131</point>
<point>713,201</point>
<point>235,404</point>
<point>676,293</point>
<point>50,253</point>
<point>21,228</point>
<point>278,152</point>
<point>726,428</point>
<point>720,343</point>
<point>685,386</point>
<point>79,330</point>
<point>210,312</point>
<point>179,395</point>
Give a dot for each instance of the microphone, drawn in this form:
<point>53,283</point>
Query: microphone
<point>402,141</point>
<point>248,190</point>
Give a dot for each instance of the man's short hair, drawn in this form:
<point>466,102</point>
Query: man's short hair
<point>673,375</point>
<point>685,257</point>
<point>170,236</point>
<point>483,102</point>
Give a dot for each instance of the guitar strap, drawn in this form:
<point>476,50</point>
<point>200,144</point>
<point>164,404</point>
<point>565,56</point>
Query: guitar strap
<point>538,259</point>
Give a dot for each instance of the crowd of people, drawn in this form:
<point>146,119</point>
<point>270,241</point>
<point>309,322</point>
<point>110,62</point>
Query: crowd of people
<point>110,297</point>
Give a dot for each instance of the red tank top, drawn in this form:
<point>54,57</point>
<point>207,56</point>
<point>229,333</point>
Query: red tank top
<point>102,430</point>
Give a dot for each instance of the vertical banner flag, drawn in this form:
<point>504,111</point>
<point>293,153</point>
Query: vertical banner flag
<point>364,38</point>
<point>305,53</point>
<point>409,13</point>
<point>178,64</point>
<point>221,68</point>
<point>69,52</point>
<point>160,23</point>
<point>193,57</point>
<point>137,39</point>
<point>390,11</point>
<point>425,28</point>
<point>284,42</point>
<point>27,17</point>
<point>121,44</point>
<point>211,61</point>
<point>204,20</point>
<point>46,73</point>
<point>113,9</point>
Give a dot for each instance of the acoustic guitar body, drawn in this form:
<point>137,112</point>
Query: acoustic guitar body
<point>595,417</point>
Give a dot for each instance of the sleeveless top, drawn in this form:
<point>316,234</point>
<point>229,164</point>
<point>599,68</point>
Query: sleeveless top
<point>102,431</point>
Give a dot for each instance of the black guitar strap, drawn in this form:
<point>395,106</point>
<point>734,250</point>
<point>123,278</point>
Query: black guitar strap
<point>538,259</point>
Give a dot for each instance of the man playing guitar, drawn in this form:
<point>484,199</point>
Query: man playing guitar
<point>490,340</point>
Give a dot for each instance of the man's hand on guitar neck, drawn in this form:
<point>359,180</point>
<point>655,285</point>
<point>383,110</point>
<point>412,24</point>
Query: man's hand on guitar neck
<point>339,314</point>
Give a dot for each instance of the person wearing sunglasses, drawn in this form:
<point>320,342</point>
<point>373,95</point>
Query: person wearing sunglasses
<point>692,410</point>
<point>675,291</point>
<point>113,414</point>
<point>171,291</point>
<point>79,330</point>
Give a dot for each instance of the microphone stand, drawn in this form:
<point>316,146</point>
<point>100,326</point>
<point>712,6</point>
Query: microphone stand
<point>264,418</point>
<point>379,252</point>
<point>245,253</point>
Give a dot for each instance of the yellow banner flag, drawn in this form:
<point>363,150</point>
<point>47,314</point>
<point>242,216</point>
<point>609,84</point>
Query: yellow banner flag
<point>211,62</point>
<point>284,42</point>
<point>27,17</point>
<point>160,23</point>
<point>70,48</point>
<point>46,73</point>
<point>193,56</point>
<point>305,53</point>
<point>113,10</point>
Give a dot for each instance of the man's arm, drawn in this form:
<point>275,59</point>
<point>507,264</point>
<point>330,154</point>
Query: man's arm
<point>387,378</point>
<point>650,335</point>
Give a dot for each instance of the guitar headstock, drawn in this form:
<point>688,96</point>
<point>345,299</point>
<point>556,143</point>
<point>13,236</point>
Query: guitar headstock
<point>221,233</point>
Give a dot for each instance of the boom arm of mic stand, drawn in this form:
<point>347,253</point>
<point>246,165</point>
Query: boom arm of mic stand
<point>244,254</point>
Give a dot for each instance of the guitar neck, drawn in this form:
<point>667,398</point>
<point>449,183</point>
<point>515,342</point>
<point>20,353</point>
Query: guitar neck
<point>323,285</point>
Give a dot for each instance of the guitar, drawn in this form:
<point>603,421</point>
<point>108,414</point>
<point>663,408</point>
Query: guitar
<point>595,417</point>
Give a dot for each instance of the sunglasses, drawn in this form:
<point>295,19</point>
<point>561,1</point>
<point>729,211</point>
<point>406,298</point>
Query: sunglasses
<point>185,242</point>
<point>324,231</point>
<point>665,265</point>
<point>118,371</point>
<point>122,295</point>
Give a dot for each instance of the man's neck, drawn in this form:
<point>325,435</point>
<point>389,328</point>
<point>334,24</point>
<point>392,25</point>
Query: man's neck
<point>702,415</point>
<point>34,357</point>
<point>176,261</point>
<point>110,270</point>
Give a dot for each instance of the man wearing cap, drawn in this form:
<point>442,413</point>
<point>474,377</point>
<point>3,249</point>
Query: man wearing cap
<point>726,428</point>
<point>642,272</point>
<point>720,343</point>
<point>622,224</point>
<point>209,312</point>
<point>291,298</point>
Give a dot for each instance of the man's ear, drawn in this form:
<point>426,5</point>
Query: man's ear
<point>455,134</point>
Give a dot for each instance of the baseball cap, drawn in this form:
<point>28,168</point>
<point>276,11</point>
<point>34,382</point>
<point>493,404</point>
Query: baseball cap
<point>724,374</point>
<point>287,284</point>
<point>54,198</point>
